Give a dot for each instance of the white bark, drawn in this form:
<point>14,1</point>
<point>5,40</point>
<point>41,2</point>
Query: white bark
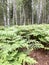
<point>44,12</point>
<point>39,10</point>
<point>20,16</point>
<point>32,11</point>
<point>13,16</point>
<point>4,16</point>
<point>8,16</point>
<point>14,12</point>
<point>24,16</point>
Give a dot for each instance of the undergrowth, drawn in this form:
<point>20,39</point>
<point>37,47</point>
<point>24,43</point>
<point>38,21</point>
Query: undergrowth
<point>16,42</point>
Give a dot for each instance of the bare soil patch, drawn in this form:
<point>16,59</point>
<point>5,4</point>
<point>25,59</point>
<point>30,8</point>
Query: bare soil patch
<point>41,56</point>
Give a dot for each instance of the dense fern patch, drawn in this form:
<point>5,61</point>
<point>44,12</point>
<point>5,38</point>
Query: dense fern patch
<point>16,42</point>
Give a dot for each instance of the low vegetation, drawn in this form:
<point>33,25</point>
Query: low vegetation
<point>16,42</point>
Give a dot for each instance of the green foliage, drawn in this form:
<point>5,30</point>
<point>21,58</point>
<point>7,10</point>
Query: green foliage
<point>16,42</point>
<point>13,48</point>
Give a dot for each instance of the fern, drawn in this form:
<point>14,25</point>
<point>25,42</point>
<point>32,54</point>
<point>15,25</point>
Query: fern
<point>17,41</point>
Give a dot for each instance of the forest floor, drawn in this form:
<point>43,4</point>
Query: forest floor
<point>41,56</point>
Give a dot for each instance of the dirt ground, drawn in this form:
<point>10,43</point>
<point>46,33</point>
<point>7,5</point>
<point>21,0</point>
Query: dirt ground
<point>41,56</point>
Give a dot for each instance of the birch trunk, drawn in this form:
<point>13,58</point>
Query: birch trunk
<point>32,12</point>
<point>4,16</point>
<point>20,16</point>
<point>24,16</point>
<point>14,12</point>
<point>8,16</point>
<point>39,11</point>
<point>45,12</point>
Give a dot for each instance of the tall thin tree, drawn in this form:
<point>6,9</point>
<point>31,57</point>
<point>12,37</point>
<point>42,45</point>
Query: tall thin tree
<point>4,14</point>
<point>8,12</point>
<point>14,12</point>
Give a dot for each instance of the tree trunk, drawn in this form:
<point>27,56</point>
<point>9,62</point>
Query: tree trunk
<point>39,11</point>
<point>8,16</point>
<point>20,16</point>
<point>14,12</point>
<point>4,16</point>
<point>24,16</point>
<point>48,19</point>
<point>32,12</point>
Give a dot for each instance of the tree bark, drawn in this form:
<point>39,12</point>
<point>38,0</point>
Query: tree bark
<point>4,15</point>
<point>32,12</point>
<point>8,16</point>
<point>14,12</point>
<point>24,16</point>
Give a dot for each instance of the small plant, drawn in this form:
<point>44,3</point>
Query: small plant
<point>16,42</point>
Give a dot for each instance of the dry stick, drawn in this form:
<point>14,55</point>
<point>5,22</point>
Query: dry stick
<point>23,62</point>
